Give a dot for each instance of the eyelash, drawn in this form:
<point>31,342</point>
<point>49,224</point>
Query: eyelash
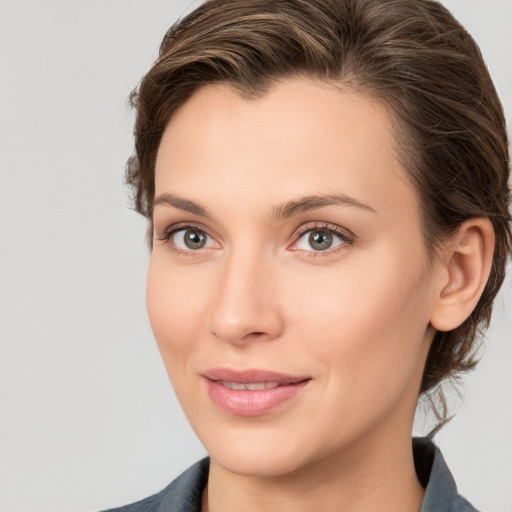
<point>346,237</point>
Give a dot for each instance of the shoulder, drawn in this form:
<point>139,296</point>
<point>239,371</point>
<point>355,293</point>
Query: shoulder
<point>441,493</point>
<point>183,494</point>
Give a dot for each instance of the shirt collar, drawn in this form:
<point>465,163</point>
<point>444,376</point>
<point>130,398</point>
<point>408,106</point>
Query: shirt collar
<point>441,493</point>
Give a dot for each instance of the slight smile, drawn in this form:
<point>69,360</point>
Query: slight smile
<point>251,392</point>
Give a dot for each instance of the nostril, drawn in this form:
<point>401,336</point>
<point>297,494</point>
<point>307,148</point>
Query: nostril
<point>255,334</point>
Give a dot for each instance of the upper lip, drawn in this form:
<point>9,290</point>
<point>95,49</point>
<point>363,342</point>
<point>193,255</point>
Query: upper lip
<point>250,376</point>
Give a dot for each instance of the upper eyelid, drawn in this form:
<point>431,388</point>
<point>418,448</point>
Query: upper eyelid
<point>327,226</point>
<point>179,226</point>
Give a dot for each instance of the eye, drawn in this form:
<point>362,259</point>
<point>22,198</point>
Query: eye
<point>318,240</point>
<point>187,239</point>
<point>190,239</point>
<point>322,239</point>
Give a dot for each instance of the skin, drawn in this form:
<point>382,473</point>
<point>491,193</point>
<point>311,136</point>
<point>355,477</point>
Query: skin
<point>355,318</point>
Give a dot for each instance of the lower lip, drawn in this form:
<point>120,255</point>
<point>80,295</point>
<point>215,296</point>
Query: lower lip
<point>252,403</point>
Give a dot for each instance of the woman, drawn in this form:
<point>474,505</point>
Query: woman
<point>326,190</point>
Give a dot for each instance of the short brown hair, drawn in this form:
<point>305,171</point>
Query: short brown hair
<point>410,54</point>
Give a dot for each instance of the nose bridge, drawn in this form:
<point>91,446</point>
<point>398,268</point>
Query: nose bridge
<point>245,305</point>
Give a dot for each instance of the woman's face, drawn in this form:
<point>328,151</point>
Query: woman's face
<point>289,288</point>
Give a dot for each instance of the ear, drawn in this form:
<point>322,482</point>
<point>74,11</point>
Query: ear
<point>464,264</point>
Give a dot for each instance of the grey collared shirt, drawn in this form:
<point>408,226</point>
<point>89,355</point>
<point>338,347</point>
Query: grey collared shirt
<point>185,493</point>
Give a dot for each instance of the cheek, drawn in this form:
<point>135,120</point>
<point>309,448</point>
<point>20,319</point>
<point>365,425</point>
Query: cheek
<point>176,304</point>
<point>362,320</point>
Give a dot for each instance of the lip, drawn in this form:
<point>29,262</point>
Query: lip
<point>249,402</point>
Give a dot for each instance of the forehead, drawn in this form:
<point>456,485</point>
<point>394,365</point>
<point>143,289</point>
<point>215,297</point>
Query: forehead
<point>302,137</point>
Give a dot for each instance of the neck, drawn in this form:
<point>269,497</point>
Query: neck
<point>367,476</point>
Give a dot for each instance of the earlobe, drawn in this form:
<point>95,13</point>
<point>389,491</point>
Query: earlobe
<point>464,267</point>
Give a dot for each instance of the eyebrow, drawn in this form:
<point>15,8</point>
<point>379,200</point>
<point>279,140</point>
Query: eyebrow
<point>278,212</point>
<point>181,204</point>
<point>309,203</point>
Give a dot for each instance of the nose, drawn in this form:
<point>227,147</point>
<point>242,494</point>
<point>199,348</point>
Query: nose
<point>246,304</point>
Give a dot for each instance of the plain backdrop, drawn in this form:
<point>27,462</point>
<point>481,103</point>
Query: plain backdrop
<point>88,419</point>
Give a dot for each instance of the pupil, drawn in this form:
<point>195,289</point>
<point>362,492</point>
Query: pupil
<point>194,239</point>
<point>320,240</point>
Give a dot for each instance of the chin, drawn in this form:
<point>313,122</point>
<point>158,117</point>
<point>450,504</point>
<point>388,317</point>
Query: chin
<point>258,463</point>
<point>265,453</point>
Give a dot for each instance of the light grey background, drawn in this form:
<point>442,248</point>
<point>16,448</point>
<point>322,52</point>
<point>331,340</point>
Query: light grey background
<point>87,417</point>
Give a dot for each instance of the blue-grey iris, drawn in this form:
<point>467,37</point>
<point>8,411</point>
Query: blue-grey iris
<point>194,238</point>
<point>320,240</point>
